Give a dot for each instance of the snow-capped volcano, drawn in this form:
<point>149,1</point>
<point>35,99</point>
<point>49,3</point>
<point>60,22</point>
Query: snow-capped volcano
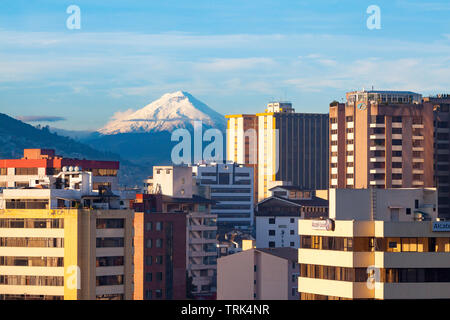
<point>173,110</point>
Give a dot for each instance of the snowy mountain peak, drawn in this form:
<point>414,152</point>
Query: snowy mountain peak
<point>173,110</point>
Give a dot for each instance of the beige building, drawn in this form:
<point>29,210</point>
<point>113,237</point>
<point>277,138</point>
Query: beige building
<point>382,139</point>
<point>282,146</point>
<point>377,244</point>
<point>258,274</point>
<point>201,253</point>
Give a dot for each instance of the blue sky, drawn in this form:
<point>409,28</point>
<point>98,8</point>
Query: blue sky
<point>233,55</point>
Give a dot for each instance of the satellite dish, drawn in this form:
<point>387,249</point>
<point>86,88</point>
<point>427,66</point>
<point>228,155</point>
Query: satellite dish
<point>76,169</point>
<point>64,169</point>
<point>70,168</point>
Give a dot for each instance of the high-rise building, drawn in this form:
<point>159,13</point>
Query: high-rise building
<point>60,238</point>
<point>232,190</point>
<point>377,244</point>
<point>180,194</point>
<point>159,249</point>
<point>441,107</point>
<point>283,146</point>
<point>381,139</point>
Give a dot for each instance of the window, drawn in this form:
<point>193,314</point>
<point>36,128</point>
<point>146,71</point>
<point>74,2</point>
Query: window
<point>159,226</point>
<point>148,226</point>
<point>271,244</point>
<point>292,220</point>
<point>148,277</point>
<point>159,260</point>
<point>292,244</point>
<point>148,260</point>
<point>271,220</point>
<point>110,223</point>
<point>26,171</point>
<point>292,232</point>
<point>148,243</point>
<point>110,242</point>
<point>159,243</point>
<point>271,232</point>
<point>408,210</point>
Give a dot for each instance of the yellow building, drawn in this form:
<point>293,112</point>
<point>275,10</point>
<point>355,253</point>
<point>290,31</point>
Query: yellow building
<point>282,147</point>
<point>377,244</point>
<point>65,254</point>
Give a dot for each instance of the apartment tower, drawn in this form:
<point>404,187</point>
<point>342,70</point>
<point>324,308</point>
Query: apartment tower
<point>381,139</point>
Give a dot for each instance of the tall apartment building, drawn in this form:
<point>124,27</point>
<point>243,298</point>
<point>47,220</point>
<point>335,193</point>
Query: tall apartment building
<point>283,147</point>
<point>277,216</point>
<point>441,107</point>
<point>258,274</point>
<point>377,244</point>
<point>232,190</point>
<point>176,182</point>
<point>382,139</point>
<point>159,248</point>
<point>60,238</point>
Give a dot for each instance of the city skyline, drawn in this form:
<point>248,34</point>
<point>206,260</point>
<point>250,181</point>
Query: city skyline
<point>229,55</point>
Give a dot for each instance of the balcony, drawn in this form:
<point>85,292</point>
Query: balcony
<point>417,171</point>
<point>417,183</point>
<point>397,159</point>
<point>350,147</point>
<point>377,125</point>
<point>350,158</point>
<point>397,170</point>
<point>397,182</point>
<point>378,170</point>
<point>397,125</point>
<point>376,182</point>
<point>377,159</point>
<point>397,136</point>
<point>375,148</point>
<point>334,159</point>
<point>377,136</point>
<point>334,148</point>
<point>418,160</point>
<point>418,149</point>
<point>396,148</point>
<point>417,137</point>
<point>417,126</point>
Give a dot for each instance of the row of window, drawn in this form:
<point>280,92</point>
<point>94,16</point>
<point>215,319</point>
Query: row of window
<point>110,223</point>
<point>15,280</point>
<point>109,261</point>
<point>110,242</point>
<point>383,275</point>
<point>32,242</point>
<point>114,280</point>
<point>32,261</point>
<point>32,223</point>
<point>370,244</point>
